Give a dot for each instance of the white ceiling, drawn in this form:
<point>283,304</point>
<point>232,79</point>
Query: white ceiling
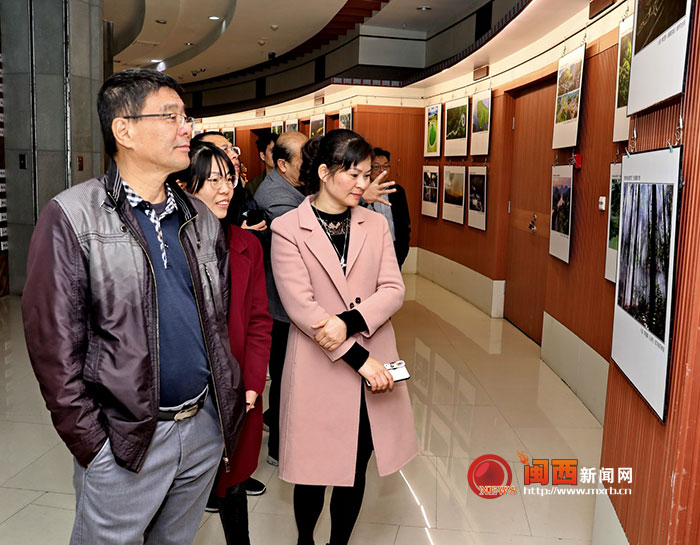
<point>403,15</point>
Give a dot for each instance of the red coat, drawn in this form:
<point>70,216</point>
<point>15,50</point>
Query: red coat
<point>249,328</point>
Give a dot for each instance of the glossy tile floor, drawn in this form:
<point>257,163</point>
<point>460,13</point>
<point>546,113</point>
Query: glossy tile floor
<point>478,387</point>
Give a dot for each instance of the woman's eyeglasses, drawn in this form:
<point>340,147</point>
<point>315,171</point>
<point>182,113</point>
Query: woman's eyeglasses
<point>217,181</point>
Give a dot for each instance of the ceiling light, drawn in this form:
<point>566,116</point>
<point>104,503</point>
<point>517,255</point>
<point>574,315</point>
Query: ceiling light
<point>189,43</point>
<point>161,21</point>
<point>156,60</point>
<point>424,8</point>
<point>261,42</point>
<point>274,27</point>
<point>214,18</point>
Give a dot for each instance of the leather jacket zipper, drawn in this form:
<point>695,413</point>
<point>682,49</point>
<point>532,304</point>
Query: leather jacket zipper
<point>227,465</point>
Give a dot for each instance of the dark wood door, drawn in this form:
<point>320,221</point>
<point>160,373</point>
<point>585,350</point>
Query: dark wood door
<point>528,249</point>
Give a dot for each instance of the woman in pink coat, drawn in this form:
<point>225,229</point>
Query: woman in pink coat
<point>337,276</point>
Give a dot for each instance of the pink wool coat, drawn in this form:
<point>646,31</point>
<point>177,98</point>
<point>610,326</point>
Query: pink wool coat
<point>320,405</point>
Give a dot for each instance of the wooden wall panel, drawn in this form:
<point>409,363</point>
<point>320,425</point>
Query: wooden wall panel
<point>664,507</point>
<point>246,139</point>
<point>578,296</point>
<point>394,129</point>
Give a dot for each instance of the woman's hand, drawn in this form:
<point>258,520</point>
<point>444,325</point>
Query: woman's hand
<point>257,227</point>
<point>333,333</point>
<point>378,376</point>
<point>377,189</point>
<point>251,396</point>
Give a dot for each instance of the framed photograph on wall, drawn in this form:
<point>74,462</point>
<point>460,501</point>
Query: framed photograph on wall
<point>560,223</point>
<point>456,115</point>
<point>345,119</point>
<point>291,125</point>
<point>453,194</point>
<point>613,222</point>
<point>432,136</point>
<point>230,136</point>
<point>318,125</point>
<point>641,345</point>
<point>277,127</point>
<point>481,123</point>
<point>430,191</point>
<point>477,198</point>
<point>568,102</point>
<point>659,51</point>
<point>621,127</point>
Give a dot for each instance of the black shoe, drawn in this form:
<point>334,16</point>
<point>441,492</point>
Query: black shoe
<point>254,487</point>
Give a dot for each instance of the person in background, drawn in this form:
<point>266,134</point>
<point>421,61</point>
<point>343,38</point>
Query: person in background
<point>210,179</point>
<point>265,145</point>
<point>126,277</point>
<point>397,214</point>
<point>243,211</point>
<point>338,279</point>
<point>280,192</point>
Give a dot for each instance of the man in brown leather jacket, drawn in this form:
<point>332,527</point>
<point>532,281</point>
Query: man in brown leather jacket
<point>125,320</point>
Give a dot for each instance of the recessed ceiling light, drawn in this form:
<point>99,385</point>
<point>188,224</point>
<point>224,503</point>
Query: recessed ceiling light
<point>261,42</point>
<point>156,60</point>
<point>214,18</point>
<point>189,43</point>
<point>161,21</point>
<point>274,27</point>
<point>424,8</point>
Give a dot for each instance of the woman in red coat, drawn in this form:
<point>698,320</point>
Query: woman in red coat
<point>249,328</point>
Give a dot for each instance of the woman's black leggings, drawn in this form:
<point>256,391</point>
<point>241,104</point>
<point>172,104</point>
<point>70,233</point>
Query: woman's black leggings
<point>345,500</point>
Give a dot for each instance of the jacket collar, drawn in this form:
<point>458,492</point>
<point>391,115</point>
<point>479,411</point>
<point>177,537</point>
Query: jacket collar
<point>115,188</point>
<point>237,242</point>
<point>322,248</point>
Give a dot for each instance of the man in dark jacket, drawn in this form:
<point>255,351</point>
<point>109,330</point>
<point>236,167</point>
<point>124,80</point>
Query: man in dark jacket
<point>397,214</point>
<point>125,322</point>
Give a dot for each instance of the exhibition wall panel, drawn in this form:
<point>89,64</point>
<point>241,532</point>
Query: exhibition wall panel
<point>665,503</point>
<point>578,295</point>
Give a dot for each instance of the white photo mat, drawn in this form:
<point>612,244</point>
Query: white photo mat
<point>291,125</point>
<point>277,127</point>
<point>432,130</point>
<point>560,220</point>
<point>430,191</point>
<point>454,185</point>
<point>456,131</point>
<point>476,197</point>
<point>317,125</point>
<point>659,51</point>
<point>481,132</point>
<point>568,102</point>
<point>621,127</point>
<point>613,212</point>
<point>642,351</point>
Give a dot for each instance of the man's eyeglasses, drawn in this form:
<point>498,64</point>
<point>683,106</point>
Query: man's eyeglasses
<point>381,167</point>
<point>180,119</point>
<point>217,181</point>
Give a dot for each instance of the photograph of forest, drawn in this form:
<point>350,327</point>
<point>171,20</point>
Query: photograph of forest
<point>567,107</point>
<point>456,123</point>
<point>454,188</point>
<point>623,73</point>
<point>480,118</point>
<point>230,136</point>
<point>614,227</point>
<point>477,193</point>
<point>561,204</point>
<point>430,187</point>
<point>277,127</point>
<point>645,251</point>
<point>654,17</point>
<point>569,78</point>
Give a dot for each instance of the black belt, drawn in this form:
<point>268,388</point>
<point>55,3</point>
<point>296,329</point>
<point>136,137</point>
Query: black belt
<point>188,411</point>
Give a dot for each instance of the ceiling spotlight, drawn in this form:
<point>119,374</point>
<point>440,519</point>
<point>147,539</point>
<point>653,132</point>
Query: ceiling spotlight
<point>189,43</point>
<point>274,27</point>
<point>161,21</point>
<point>202,69</point>
<point>424,8</point>
<point>261,42</point>
<point>156,60</point>
<point>214,18</point>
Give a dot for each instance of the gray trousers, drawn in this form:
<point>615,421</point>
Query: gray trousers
<point>163,503</point>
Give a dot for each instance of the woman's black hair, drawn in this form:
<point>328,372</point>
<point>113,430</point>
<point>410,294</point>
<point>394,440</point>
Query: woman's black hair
<point>340,149</point>
<point>201,154</point>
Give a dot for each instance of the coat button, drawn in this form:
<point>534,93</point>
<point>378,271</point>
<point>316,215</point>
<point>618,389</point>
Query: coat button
<point>358,300</point>
<point>122,228</point>
<point>352,306</point>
